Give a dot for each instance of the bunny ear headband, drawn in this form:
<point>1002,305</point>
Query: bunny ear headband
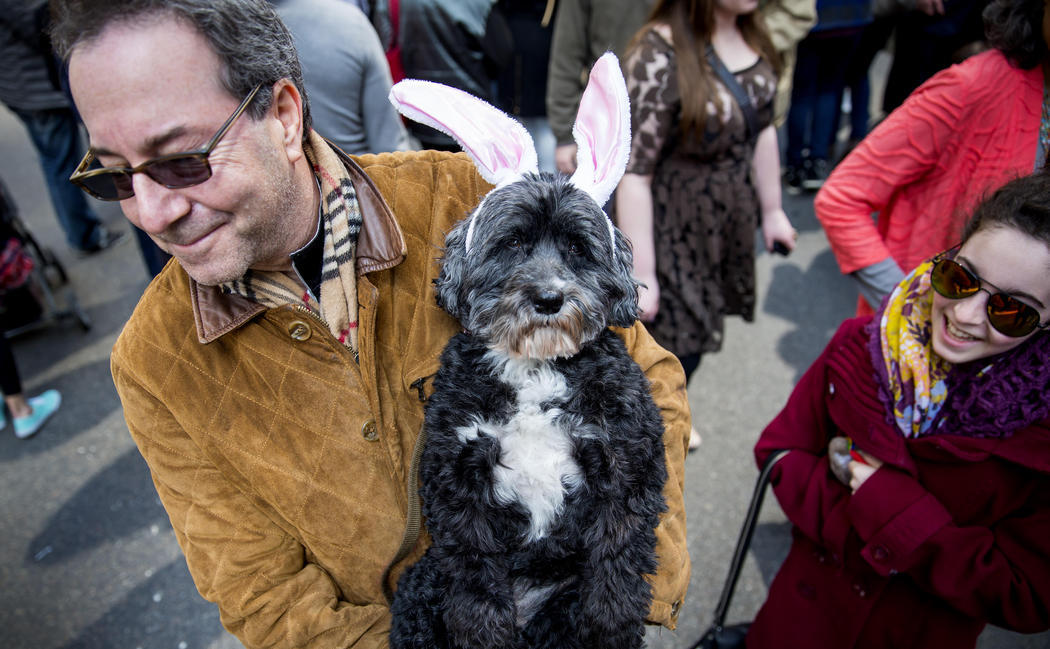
<point>502,149</point>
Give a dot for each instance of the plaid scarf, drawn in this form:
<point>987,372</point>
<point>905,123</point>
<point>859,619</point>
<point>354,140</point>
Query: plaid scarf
<point>341,220</point>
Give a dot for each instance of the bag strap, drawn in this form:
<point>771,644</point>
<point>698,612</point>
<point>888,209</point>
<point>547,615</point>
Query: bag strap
<point>735,89</point>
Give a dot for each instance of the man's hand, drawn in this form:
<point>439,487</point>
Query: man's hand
<point>565,158</point>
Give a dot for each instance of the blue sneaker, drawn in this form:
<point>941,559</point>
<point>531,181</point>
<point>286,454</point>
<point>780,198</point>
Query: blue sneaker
<point>44,405</point>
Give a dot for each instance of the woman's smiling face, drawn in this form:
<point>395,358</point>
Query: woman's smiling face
<point>1006,260</point>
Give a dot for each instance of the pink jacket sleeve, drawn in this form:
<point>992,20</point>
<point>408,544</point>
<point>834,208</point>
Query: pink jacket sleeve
<point>912,145</point>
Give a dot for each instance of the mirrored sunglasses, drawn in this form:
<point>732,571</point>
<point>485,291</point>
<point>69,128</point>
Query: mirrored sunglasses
<point>174,171</point>
<point>1008,315</point>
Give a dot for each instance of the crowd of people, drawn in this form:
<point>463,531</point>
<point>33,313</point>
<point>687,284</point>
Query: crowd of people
<point>252,141</point>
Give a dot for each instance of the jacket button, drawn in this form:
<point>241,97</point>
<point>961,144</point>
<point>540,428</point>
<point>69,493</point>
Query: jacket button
<point>675,607</point>
<point>880,553</point>
<point>369,432</point>
<point>299,330</point>
<point>831,388</point>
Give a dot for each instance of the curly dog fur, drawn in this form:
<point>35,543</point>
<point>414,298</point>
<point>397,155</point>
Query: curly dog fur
<point>543,471</point>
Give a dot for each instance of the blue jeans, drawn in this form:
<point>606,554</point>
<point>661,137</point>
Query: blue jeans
<point>816,93</point>
<point>56,135</point>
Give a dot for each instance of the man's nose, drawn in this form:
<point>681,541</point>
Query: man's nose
<point>154,207</point>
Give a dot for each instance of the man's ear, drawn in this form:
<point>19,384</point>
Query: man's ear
<point>287,108</point>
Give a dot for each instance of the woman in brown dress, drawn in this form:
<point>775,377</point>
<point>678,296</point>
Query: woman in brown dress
<point>704,171</point>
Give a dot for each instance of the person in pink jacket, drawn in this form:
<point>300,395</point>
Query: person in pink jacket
<point>917,477</point>
<point>959,136</point>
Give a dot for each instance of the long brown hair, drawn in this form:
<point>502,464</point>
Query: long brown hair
<point>692,25</point>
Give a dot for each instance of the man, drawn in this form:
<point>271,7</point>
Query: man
<point>274,377</point>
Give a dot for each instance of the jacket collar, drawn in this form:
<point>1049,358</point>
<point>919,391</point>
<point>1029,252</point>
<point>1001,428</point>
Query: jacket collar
<point>380,246</point>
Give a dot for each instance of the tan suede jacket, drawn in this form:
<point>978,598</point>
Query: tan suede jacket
<point>283,464</point>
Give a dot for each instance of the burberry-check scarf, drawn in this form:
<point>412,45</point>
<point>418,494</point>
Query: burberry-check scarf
<point>341,219</point>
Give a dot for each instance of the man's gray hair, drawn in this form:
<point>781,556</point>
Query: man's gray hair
<point>249,38</point>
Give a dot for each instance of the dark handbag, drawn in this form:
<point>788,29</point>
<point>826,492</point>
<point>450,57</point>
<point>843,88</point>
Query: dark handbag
<point>718,635</point>
<point>735,89</point>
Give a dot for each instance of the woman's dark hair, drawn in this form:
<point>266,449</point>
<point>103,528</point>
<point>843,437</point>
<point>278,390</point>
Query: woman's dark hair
<point>1022,204</point>
<point>1015,28</point>
<point>249,38</point>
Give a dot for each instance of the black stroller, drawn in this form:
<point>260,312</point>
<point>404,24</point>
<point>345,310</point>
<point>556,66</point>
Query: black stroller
<point>34,287</point>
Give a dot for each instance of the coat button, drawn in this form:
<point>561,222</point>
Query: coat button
<point>831,388</point>
<point>880,553</point>
<point>369,432</point>
<point>299,330</point>
<point>675,607</point>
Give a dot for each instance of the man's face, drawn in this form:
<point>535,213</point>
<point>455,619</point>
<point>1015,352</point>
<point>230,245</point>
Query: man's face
<point>147,90</point>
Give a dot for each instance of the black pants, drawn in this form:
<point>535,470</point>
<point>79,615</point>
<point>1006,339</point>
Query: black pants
<point>9,381</point>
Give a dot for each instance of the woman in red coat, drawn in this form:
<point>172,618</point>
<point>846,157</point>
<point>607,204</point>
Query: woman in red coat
<point>918,480</point>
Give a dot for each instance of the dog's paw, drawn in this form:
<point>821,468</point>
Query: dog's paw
<point>480,623</point>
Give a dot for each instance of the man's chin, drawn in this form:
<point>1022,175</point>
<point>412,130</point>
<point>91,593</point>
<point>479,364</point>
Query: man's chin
<point>210,275</point>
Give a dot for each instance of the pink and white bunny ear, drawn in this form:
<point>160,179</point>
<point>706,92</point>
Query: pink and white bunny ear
<point>602,131</point>
<point>497,143</point>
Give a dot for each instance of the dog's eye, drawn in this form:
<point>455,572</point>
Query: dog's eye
<point>514,243</point>
<point>575,248</point>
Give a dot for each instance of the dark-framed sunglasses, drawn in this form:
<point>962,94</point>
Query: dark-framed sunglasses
<point>1008,315</point>
<point>174,171</point>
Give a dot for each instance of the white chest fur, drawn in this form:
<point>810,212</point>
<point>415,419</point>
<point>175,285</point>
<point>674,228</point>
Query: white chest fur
<point>536,465</point>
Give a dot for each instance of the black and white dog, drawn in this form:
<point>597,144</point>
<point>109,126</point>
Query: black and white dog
<point>543,470</point>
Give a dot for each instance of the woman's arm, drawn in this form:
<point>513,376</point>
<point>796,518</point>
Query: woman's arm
<point>765,170</point>
<point>634,213</point>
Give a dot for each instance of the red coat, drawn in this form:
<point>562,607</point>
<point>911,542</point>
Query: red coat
<point>952,532</point>
<point>966,131</point>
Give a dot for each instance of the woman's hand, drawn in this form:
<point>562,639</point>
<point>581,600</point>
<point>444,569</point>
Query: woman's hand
<point>861,471</point>
<point>648,298</point>
<point>777,228</point>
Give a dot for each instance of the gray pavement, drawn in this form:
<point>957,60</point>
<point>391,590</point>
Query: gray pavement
<point>88,559</point>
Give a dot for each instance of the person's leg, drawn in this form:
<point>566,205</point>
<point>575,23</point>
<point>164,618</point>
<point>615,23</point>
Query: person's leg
<point>803,93</point>
<point>28,414</point>
<point>56,136</point>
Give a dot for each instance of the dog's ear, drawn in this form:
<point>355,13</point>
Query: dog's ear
<point>449,282</point>
<point>624,309</point>
<point>498,144</point>
<point>602,131</point>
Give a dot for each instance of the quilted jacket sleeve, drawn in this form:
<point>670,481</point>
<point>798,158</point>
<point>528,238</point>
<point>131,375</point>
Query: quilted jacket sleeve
<point>238,556</point>
<point>669,392</point>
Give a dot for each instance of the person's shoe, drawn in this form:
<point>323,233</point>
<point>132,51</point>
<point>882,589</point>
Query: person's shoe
<point>817,174</point>
<point>44,405</point>
<point>793,176</point>
<point>694,440</point>
<point>106,239</point>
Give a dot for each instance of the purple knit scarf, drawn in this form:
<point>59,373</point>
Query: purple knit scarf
<point>990,397</point>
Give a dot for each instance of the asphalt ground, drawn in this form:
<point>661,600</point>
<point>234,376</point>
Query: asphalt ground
<point>88,559</point>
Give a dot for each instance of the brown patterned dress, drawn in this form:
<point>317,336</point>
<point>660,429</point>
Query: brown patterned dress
<point>705,209</point>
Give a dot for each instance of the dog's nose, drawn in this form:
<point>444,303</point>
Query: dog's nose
<point>547,301</point>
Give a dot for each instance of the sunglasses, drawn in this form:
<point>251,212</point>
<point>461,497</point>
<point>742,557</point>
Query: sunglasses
<point>1008,315</point>
<point>174,171</point>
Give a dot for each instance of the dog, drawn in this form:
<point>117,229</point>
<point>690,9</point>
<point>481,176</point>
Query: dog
<point>543,470</point>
